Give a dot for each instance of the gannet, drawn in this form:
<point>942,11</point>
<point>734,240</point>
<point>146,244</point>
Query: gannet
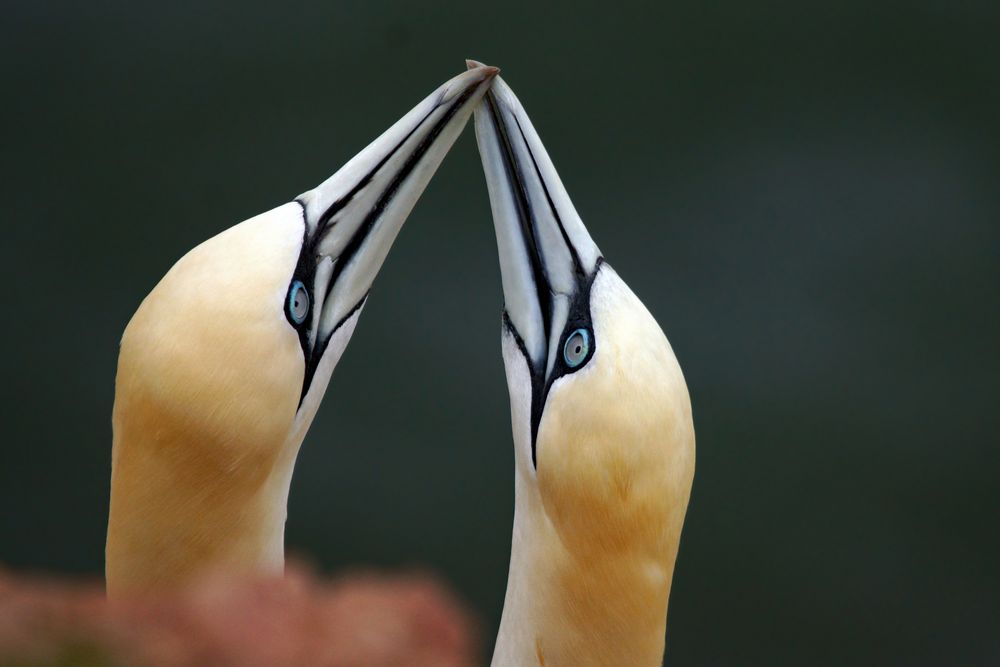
<point>223,366</point>
<point>601,418</point>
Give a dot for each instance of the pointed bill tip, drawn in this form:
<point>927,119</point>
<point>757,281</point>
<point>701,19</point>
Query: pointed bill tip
<point>480,76</point>
<point>355,214</point>
<point>488,70</point>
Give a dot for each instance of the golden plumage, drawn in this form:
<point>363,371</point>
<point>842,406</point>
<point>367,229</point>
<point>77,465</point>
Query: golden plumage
<point>603,435</point>
<point>224,365</point>
<point>203,438</point>
<point>598,525</point>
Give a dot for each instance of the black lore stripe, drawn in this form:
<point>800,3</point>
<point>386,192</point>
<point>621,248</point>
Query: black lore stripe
<point>577,264</point>
<point>527,224</point>
<point>363,231</point>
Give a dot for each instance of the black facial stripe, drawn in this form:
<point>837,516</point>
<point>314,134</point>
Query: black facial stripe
<point>577,264</point>
<point>337,206</point>
<point>579,318</point>
<point>524,216</point>
<point>579,310</point>
<point>538,389</point>
<point>306,272</point>
<point>305,269</point>
<point>364,229</point>
<point>307,258</point>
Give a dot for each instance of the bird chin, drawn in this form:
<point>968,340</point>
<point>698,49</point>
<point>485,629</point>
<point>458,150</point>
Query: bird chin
<point>324,370</point>
<point>519,390</point>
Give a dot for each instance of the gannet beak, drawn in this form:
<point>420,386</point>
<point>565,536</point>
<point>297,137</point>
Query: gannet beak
<point>353,218</point>
<point>547,258</point>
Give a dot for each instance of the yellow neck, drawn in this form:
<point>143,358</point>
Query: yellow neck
<point>208,413</point>
<point>566,606</point>
<point>598,522</point>
<point>179,512</point>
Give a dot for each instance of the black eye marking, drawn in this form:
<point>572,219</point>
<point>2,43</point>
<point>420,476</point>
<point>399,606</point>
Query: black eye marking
<point>577,328</point>
<point>303,276</point>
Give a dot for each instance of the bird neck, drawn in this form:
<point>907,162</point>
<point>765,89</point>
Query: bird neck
<point>177,514</point>
<point>564,606</point>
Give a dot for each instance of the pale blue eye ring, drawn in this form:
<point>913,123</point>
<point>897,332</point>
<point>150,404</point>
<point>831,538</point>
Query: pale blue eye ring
<point>576,348</point>
<point>298,302</point>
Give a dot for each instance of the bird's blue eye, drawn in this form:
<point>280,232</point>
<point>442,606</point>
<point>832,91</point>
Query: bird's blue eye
<point>298,302</point>
<point>576,348</point>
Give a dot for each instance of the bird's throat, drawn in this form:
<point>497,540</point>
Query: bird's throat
<point>564,607</point>
<point>178,515</point>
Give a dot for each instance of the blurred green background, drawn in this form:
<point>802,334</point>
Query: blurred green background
<point>804,194</point>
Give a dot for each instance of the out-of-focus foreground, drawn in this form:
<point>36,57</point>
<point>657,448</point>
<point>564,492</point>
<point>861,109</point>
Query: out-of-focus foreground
<point>361,620</point>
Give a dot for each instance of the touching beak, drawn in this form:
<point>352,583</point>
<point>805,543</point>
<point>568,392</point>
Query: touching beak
<point>353,218</point>
<point>547,258</point>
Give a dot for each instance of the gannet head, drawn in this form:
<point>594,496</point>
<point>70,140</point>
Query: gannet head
<point>223,366</point>
<point>604,441</point>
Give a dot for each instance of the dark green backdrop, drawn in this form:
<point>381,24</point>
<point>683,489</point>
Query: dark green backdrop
<point>804,194</point>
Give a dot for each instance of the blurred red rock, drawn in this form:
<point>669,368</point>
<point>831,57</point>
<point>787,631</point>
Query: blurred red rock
<point>359,620</point>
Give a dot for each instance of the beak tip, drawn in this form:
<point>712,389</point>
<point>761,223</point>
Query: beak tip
<point>488,71</point>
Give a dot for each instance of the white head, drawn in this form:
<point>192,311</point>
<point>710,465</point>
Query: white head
<point>224,365</point>
<point>601,419</point>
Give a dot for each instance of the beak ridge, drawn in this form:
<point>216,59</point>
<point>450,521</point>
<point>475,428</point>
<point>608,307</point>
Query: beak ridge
<point>354,216</point>
<point>546,254</point>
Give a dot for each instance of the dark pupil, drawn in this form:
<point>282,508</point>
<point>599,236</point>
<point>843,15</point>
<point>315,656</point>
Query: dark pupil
<point>578,348</point>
